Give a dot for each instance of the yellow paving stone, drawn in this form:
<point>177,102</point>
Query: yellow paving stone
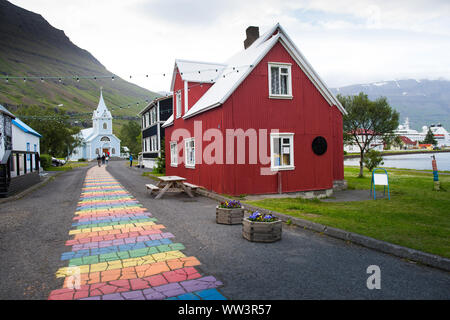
<point>69,271</point>
<point>116,264</point>
<point>168,255</point>
<point>96,267</point>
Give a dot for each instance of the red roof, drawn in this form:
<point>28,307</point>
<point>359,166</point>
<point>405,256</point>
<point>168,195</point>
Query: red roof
<point>406,140</point>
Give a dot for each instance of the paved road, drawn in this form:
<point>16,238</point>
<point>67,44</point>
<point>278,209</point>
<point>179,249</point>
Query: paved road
<point>33,231</point>
<point>303,265</point>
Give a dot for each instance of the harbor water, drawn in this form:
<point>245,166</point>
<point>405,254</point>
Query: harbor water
<point>420,161</point>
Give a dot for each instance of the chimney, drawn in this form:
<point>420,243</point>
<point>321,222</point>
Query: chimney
<point>252,35</point>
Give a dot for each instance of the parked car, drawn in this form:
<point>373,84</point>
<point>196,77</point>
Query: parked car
<point>58,162</point>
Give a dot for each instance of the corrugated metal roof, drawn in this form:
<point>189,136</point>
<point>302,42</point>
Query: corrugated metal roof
<point>25,128</point>
<point>240,65</point>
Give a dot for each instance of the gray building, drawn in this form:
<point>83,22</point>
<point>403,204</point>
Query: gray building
<point>152,118</point>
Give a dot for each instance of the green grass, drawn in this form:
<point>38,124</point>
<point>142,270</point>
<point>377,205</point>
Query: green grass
<point>68,166</point>
<point>416,216</point>
<point>153,175</point>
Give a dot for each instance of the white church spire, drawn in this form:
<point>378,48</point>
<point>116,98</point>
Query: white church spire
<point>101,111</point>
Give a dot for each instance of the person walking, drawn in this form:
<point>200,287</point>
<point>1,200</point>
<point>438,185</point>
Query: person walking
<point>107,158</point>
<point>103,159</point>
<point>99,161</point>
<point>131,160</point>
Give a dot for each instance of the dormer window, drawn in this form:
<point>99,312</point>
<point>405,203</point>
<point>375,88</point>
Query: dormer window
<point>280,80</point>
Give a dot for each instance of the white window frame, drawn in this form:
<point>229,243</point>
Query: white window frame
<point>154,143</point>
<point>174,154</point>
<point>187,148</point>
<point>283,135</point>
<point>147,144</point>
<point>280,65</point>
<point>155,118</point>
<point>178,103</point>
<point>147,119</point>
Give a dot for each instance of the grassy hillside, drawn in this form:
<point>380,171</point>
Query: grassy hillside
<point>30,46</point>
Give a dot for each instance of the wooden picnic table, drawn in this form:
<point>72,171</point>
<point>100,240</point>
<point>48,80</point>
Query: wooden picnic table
<point>174,182</point>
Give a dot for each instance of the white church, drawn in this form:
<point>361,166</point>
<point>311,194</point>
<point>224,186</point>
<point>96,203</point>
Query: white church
<point>98,140</point>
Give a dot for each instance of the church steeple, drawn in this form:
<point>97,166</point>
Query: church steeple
<point>102,118</point>
<point>101,111</point>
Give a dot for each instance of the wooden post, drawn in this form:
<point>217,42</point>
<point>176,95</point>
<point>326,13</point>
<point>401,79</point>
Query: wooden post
<point>24,163</point>
<point>280,189</point>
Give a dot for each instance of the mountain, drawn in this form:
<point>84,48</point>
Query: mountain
<point>30,46</point>
<point>424,102</point>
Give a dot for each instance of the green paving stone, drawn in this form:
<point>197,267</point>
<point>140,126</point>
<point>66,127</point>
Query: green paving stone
<point>108,257</point>
<point>139,252</point>
<point>75,262</point>
<point>152,250</point>
<point>106,224</point>
<point>123,254</point>
<point>177,246</point>
<point>163,248</point>
<point>90,260</point>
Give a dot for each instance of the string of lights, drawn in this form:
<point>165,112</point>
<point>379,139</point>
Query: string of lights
<point>83,116</point>
<point>78,78</point>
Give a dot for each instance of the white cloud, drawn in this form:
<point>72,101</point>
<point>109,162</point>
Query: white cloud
<point>346,41</point>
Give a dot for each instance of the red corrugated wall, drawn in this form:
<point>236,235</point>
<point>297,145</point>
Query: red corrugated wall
<point>308,115</point>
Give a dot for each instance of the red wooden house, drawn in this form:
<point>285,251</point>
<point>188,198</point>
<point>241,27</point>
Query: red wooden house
<point>262,122</point>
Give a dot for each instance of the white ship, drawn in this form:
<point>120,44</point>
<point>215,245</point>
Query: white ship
<point>440,134</point>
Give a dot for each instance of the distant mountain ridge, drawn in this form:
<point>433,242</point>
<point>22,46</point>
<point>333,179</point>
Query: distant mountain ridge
<point>424,102</point>
<point>30,46</point>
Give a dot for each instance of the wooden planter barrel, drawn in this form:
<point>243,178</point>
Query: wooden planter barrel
<point>229,216</point>
<point>261,231</point>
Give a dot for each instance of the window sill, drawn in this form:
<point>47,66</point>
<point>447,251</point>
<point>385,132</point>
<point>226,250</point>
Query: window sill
<point>282,168</point>
<point>174,165</point>
<point>189,166</point>
<point>272,96</point>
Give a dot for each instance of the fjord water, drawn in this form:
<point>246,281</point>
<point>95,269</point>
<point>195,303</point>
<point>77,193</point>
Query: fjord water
<point>411,161</point>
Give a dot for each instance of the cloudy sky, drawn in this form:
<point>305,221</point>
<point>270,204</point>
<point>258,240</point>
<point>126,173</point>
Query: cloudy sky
<point>346,41</point>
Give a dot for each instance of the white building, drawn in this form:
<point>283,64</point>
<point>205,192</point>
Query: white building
<point>99,139</point>
<point>376,143</point>
<point>25,138</point>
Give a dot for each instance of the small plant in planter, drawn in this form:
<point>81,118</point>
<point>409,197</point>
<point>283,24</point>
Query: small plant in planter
<point>261,228</point>
<point>229,212</point>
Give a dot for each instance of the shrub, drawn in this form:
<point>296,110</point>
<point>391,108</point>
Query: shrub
<point>46,160</point>
<point>373,159</point>
<point>161,161</point>
<point>81,160</point>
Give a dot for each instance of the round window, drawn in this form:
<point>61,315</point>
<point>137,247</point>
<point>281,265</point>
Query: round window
<point>319,145</point>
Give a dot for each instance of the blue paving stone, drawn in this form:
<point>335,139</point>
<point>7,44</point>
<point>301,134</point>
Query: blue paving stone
<point>210,294</point>
<point>188,296</point>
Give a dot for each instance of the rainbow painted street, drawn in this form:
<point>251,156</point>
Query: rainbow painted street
<point>119,251</point>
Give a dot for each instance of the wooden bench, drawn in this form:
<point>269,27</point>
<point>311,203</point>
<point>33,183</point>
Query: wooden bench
<point>191,186</point>
<point>151,187</point>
